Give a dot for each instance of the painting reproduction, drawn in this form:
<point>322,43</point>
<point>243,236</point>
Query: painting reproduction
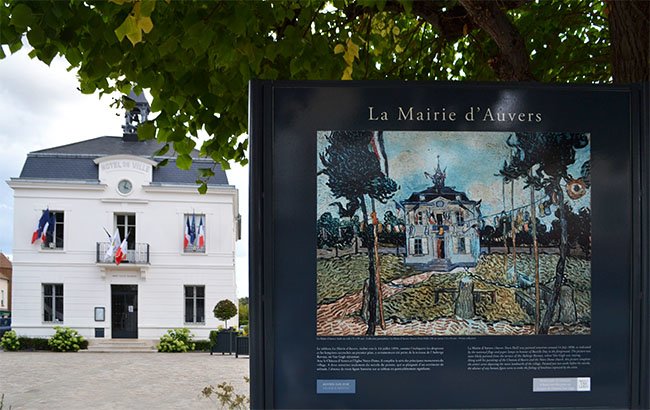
<point>453,233</point>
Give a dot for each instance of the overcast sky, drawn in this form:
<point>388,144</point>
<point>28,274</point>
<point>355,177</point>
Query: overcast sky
<point>40,107</point>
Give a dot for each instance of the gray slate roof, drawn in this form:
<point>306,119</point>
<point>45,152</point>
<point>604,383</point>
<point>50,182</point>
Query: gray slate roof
<point>75,161</point>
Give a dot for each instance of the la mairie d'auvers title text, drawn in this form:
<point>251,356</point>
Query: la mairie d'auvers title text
<point>473,114</point>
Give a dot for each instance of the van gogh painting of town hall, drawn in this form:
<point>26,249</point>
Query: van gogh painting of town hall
<point>453,233</point>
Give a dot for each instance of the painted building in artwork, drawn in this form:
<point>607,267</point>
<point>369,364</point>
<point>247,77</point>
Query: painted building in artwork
<point>178,245</point>
<point>442,230</point>
<point>5,285</point>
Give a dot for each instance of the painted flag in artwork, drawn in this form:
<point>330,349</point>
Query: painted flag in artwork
<point>120,253</point>
<point>201,234</point>
<point>112,246</point>
<point>41,226</point>
<point>377,146</point>
<point>186,237</point>
<point>193,230</point>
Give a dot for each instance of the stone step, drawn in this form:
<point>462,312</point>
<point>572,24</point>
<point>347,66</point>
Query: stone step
<point>121,346</point>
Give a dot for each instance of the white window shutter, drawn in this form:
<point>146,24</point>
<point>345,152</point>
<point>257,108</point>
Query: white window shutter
<point>425,246</point>
<point>411,246</point>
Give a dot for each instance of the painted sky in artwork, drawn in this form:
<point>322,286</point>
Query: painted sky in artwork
<point>471,160</point>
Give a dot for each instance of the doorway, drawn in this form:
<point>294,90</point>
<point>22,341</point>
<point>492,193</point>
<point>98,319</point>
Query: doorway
<point>124,311</point>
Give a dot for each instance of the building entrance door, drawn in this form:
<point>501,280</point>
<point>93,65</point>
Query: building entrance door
<point>124,308</point>
<point>441,248</point>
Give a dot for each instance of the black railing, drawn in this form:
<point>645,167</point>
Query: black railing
<point>139,255</point>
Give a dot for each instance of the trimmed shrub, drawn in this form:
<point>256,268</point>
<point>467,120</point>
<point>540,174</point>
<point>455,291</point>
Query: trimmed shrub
<point>176,340</point>
<point>224,310</point>
<point>34,343</point>
<point>202,345</point>
<point>9,341</point>
<point>65,340</point>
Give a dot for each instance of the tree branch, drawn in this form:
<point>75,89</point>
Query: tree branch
<point>513,63</point>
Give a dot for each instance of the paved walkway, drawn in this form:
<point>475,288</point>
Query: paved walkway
<point>46,380</point>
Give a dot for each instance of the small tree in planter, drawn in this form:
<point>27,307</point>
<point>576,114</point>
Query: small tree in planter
<point>225,310</point>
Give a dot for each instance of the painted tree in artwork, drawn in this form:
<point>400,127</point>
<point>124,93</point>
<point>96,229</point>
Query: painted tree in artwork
<point>354,174</point>
<point>542,161</point>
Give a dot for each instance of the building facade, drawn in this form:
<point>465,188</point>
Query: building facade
<point>178,246</point>
<point>5,286</point>
<point>442,229</point>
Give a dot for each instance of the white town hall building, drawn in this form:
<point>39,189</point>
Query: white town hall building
<point>180,245</point>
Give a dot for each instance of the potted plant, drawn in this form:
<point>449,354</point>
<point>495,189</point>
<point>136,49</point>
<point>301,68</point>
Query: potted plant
<point>226,338</point>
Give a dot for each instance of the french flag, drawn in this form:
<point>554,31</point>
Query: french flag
<point>186,238</point>
<point>120,254</point>
<point>41,228</point>
<point>201,234</point>
<point>112,247</point>
<point>193,230</point>
<point>49,228</point>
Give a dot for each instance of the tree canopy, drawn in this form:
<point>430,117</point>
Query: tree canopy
<point>196,58</point>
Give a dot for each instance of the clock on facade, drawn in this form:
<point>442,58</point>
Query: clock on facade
<point>124,186</point>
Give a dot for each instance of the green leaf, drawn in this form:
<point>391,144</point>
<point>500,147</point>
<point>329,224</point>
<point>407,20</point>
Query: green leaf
<point>21,15</point>
<point>145,24</point>
<point>147,131</point>
<point>203,188</point>
<point>36,36</point>
<point>184,161</point>
<point>17,46</point>
<point>128,27</point>
<point>168,46</point>
<point>206,172</point>
<point>147,7</point>
<point>163,162</point>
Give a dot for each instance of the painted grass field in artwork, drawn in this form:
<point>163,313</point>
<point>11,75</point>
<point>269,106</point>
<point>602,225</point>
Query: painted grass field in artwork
<point>422,303</point>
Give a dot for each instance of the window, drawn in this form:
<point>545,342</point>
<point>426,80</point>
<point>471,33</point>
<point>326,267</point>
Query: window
<point>125,223</point>
<point>460,217</point>
<point>54,233</point>
<point>194,304</point>
<point>417,249</point>
<point>461,245</point>
<point>419,219</point>
<point>194,233</point>
<point>52,302</point>
<point>2,298</point>
<point>439,219</point>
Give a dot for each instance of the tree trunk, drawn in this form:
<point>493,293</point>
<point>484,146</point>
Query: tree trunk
<point>514,233</point>
<point>380,296</point>
<point>533,220</point>
<point>465,300</point>
<point>629,30</point>
<point>513,62</point>
<point>549,315</point>
<point>567,313</point>
<point>372,285</point>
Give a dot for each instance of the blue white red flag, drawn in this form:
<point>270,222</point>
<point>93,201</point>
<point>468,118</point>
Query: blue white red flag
<point>201,234</point>
<point>186,236</point>
<point>193,230</point>
<point>112,246</point>
<point>41,226</point>
<point>120,253</point>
